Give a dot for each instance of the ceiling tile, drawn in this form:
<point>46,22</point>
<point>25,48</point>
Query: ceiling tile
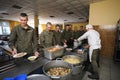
<point>46,8</point>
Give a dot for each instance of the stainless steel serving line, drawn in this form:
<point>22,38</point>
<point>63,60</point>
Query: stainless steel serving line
<point>34,67</point>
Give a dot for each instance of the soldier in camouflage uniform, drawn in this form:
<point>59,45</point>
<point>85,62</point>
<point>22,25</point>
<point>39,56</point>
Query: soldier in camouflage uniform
<point>58,35</point>
<point>76,33</point>
<point>67,36</point>
<point>46,37</point>
<point>22,38</point>
<point>81,31</point>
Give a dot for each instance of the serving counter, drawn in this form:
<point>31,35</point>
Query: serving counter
<point>25,67</point>
<point>28,67</point>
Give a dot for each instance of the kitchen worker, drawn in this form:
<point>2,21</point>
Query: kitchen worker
<point>22,38</point>
<point>46,37</point>
<point>67,36</point>
<point>58,35</point>
<point>94,48</point>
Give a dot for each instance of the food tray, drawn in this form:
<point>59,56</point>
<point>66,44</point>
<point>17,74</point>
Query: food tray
<point>52,54</point>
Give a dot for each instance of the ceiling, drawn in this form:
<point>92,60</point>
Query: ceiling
<point>62,10</point>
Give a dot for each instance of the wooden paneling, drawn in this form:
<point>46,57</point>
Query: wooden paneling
<point>107,33</point>
<point>78,25</point>
<point>13,23</point>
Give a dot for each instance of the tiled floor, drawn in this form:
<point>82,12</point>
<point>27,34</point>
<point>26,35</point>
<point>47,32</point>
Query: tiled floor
<point>108,70</point>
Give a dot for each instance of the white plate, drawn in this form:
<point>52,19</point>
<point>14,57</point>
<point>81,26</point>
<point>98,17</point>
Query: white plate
<point>80,51</point>
<point>68,49</point>
<point>32,58</point>
<point>18,55</point>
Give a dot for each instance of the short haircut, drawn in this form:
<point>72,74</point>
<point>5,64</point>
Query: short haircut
<point>23,15</point>
<point>48,23</point>
<point>57,25</point>
<point>89,26</point>
<point>81,26</point>
<point>67,25</point>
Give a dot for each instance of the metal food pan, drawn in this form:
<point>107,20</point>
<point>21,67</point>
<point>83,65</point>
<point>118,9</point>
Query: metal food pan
<point>55,54</point>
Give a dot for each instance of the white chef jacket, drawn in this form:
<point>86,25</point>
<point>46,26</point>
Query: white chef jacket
<point>93,40</point>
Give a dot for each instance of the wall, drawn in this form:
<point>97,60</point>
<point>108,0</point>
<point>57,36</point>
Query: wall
<point>104,15</point>
<point>107,35</point>
<point>13,23</point>
<point>79,24</point>
<point>105,12</point>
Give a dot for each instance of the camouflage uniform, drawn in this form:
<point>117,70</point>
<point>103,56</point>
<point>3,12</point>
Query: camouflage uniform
<point>76,34</point>
<point>68,35</point>
<point>58,38</point>
<point>24,40</point>
<point>46,39</point>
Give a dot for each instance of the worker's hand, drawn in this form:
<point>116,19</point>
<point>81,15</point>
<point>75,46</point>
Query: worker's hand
<point>86,46</point>
<point>36,53</point>
<point>14,51</point>
<point>65,45</point>
<point>65,41</point>
<point>75,40</point>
